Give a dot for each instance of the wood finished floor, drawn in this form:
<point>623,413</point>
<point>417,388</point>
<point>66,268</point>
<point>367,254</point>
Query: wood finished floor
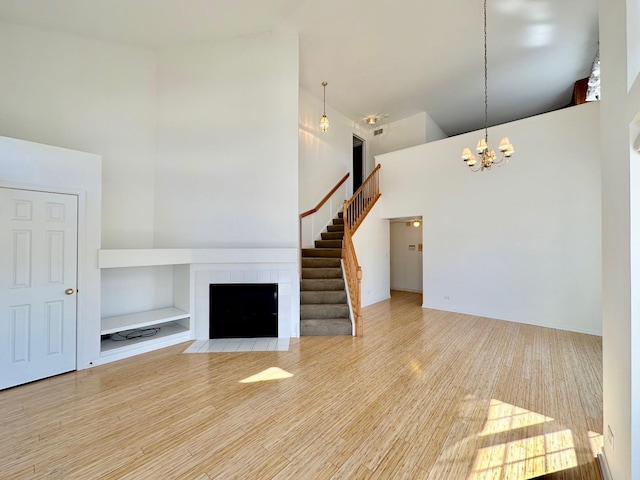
<point>424,395</point>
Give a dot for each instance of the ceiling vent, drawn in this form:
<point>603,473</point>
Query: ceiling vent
<point>377,132</point>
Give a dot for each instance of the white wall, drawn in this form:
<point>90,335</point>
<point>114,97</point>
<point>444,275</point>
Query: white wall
<point>136,289</point>
<point>42,167</point>
<point>93,96</point>
<point>519,243</point>
<point>620,236</point>
<point>227,169</point>
<point>323,157</point>
<point>633,41</point>
<point>433,130</point>
<point>84,94</point>
<point>371,242</point>
<point>406,263</point>
<point>405,133</point>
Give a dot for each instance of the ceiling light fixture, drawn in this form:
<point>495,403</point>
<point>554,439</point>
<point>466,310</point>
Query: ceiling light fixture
<point>324,121</point>
<point>372,120</point>
<point>416,223</point>
<point>488,157</point>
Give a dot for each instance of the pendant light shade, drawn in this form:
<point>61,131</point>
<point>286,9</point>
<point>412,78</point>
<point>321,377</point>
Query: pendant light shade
<point>324,123</point>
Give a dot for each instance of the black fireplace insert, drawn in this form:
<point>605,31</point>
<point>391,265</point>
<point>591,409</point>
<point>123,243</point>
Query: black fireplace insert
<point>243,310</point>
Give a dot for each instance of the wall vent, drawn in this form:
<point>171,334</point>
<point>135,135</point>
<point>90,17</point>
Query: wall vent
<point>379,131</point>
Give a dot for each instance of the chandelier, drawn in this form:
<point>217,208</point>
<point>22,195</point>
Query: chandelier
<point>324,121</point>
<point>487,157</point>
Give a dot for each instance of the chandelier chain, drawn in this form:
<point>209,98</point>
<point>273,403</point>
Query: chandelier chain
<point>486,101</point>
<point>324,97</point>
<point>324,121</point>
<point>487,156</point>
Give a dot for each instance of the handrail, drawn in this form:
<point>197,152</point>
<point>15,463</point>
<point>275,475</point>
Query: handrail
<point>354,211</point>
<point>326,198</point>
<point>363,200</point>
<point>367,180</point>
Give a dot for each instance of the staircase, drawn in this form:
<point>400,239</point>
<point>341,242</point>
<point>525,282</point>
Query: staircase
<point>324,308</point>
<point>323,300</point>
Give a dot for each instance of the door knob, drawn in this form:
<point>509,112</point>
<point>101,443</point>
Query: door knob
<point>69,291</point>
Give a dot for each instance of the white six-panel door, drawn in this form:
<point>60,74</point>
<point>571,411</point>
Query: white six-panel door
<point>38,257</point>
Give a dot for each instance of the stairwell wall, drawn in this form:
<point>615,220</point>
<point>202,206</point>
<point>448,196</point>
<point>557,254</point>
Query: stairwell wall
<point>323,157</point>
<point>372,244</point>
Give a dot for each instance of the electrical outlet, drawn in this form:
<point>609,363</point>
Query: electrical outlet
<point>610,436</point>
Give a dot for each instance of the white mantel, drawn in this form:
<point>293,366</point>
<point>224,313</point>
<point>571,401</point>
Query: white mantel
<point>224,265</point>
<point>142,257</point>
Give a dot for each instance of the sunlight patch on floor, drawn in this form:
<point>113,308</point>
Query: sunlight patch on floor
<point>596,440</point>
<point>503,417</point>
<point>272,373</point>
<point>526,458</point>
<point>523,458</point>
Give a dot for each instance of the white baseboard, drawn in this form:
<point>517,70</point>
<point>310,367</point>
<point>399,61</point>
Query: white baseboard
<point>604,465</point>
<point>406,290</point>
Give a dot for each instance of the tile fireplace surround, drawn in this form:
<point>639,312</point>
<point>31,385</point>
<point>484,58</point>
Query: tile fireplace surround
<point>247,265</point>
<point>250,266</point>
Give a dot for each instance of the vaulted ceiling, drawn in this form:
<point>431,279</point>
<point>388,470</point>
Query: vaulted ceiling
<point>394,58</point>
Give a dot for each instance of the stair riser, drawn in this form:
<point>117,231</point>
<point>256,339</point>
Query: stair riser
<point>328,244</point>
<point>332,235</point>
<point>323,311</point>
<point>325,327</point>
<point>338,221</point>
<point>311,262</point>
<point>321,273</point>
<point>321,284</point>
<point>323,298</point>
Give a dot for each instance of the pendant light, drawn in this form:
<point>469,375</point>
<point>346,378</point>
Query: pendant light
<point>324,121</point>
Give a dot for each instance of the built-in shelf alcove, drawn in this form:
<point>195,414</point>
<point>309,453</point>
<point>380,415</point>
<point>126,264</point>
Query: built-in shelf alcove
<point>186,276</point>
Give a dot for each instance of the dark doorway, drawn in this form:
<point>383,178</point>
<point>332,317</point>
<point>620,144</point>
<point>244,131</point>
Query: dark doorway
<point>358,162</point>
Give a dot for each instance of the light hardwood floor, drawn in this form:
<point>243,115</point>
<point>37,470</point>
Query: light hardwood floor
<point>424,394</point>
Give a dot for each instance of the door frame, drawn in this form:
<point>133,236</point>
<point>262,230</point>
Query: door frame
<point>363,159</point>
<point>81,267</point>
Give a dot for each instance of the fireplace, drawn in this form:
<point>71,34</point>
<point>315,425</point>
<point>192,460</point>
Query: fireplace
<point>241,266</point>
<point>243,310</point>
